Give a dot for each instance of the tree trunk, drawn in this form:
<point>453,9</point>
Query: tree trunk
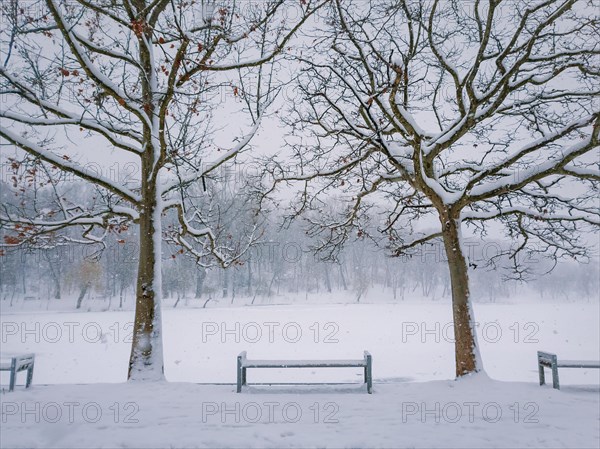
<point>122,287</point>
<point>342,277</point>
<point>225,285</point>
<point>82,293</point>
<point>465,347</point>
<point>57,294</point>
<point>146,360</point>
<point>55,272</point>
<point>249,281</point>
<point>232,282</point>
<point>327,278</point>
<point>200,276</point>
<point>23,273</point>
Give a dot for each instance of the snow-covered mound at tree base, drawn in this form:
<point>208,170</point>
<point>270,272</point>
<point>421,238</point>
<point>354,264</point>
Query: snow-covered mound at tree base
<point>471,413</point>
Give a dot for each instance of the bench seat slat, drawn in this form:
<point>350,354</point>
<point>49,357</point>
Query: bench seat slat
<point>7,357</point>
<point>578,364</point>
<point>303,363</point>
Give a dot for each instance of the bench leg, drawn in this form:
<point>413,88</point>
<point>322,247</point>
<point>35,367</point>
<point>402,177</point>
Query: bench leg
<point>13,374</point>
<point>542,374</point>
<point>369,374</point>
<point>29,376</point>
<point>239,374</point>
<point>555,383</point>
<point>244,376</point>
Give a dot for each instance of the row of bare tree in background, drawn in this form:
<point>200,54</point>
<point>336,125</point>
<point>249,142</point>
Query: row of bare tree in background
<point>279,268</point>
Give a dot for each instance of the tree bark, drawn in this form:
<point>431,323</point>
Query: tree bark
<point>465,348</point>
<point>146,359</point>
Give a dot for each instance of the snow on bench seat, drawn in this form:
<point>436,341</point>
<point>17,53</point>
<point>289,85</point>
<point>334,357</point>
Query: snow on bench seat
<point>303,363</point>
<point>578,364</point>
<point>243,363</point>
<point>547,359</point>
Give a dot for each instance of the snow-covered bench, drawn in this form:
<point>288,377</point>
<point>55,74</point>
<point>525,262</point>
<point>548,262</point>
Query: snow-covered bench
<point>546,359</point>
<point>15,363</point>
<point>243,364</point>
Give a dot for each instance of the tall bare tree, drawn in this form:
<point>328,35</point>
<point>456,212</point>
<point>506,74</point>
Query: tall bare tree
<point>141,78</point>
<point>468,113</point>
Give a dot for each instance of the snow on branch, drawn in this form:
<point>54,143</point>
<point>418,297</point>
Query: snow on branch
<point>205,170</point>
<point>90,68</point>
<point>69,166</point>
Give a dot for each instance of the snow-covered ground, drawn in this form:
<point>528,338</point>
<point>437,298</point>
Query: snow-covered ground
<point>79,398</point>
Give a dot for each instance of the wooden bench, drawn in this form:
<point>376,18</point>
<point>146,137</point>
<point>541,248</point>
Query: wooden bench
<point>15,363</point>
<point>548,360</point>
<point>243,364</point>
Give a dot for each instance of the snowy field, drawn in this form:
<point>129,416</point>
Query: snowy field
<point>79,398</point>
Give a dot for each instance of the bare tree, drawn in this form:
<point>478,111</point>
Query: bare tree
<point>453,115</point>
<point>140,78</point>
